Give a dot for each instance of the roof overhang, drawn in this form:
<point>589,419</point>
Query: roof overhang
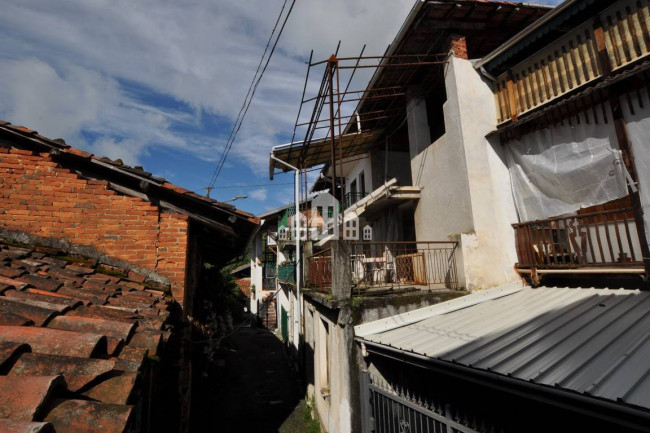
<point>319,151</point>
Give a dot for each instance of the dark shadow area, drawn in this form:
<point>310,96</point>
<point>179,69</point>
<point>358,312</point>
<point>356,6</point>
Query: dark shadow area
<point>253,390</point>
<point>600,281</point>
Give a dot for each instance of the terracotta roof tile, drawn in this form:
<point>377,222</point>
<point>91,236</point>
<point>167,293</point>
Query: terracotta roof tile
<point>102,312</point>
<point>149,340</point>
<point>9,353</point>
<point>32,264</point>
<point>39,301</point>
<point>8,318</point>
<point>89,325</point>
<point>51,285</point>
<point>43,296</point>
<point>23,398</point>
<point>89,416</point>
<point>81,270</point>
<point>8,272</point>
<point>74,337</point>
<point>55,341</point>
<point>94,296</point>
<point>127,366</point>
<point>122,301</point>
<point>38,314</point>
<point>115,390</point>
<point>77,372</point>
<point>11,282</point>
<point>54,261</point>
<point>12,426</point>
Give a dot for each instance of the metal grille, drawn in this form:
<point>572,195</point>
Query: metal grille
<point>392,410</point>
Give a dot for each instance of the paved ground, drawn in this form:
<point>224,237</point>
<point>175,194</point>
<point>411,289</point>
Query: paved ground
<point>260,392</point>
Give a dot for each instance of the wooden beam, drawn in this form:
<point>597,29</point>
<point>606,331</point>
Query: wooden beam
<point>601,45</point>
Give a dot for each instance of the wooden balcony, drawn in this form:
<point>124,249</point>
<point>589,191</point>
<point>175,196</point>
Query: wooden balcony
<point>616,39</point>
<point>598,242</point>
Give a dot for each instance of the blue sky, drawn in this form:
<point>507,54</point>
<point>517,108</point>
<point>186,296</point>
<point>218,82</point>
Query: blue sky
<point>159,83</point>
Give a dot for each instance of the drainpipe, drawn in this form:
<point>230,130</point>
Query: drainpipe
<point>297,225</point>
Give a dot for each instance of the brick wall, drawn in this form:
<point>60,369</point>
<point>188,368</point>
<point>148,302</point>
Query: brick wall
<point>40,198</point>
<point>458,45</point>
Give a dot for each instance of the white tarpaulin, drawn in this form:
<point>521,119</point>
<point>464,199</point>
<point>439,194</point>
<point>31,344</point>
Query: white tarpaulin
<point>562,168</point>
<point>638,129</point>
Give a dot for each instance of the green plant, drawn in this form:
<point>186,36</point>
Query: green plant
<point>355,302</point>
<point>313,424</point>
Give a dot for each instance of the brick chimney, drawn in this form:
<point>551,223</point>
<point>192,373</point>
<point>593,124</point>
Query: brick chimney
<point>458,46</point>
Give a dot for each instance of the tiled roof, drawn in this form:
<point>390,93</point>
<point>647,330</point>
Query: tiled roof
<point>73,343</point>
<point>118,165</point>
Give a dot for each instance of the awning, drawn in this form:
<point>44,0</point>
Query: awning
<point>319,151</point>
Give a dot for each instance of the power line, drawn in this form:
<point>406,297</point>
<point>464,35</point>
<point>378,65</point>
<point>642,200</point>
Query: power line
<point>212,188</point>
<point>251,91</point>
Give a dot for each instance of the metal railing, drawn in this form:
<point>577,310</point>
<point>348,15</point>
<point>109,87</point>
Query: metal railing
<point>353,197</point>
<point>390,409</point>
<point>391,264</point>
<point>599,239</point>
<point>287,273</point>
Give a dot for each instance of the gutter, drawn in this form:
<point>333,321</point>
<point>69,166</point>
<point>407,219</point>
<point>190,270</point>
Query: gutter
<point>591,406</point>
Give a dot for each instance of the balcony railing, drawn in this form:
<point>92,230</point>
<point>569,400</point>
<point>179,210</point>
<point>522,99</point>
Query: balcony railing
<point>353,197</point>
<point>574,59</point>
<point>391,264</point>
<point>287,273</point>
<point>600,239</point>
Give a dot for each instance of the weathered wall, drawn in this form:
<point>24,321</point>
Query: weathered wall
<point>466,187</point>
<point>40,198</point>
<point>257,271</point>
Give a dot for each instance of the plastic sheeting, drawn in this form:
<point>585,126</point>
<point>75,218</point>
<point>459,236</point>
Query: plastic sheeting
<point>560,169</point>
<point>638,129</point>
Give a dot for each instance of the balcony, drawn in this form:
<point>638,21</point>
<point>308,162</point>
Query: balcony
<point>353,197</point>
<point>599,242</point>
<point>376,265</point>
<point>287,273</point>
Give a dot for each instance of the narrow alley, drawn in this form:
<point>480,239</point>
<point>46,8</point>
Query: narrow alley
<point>258,390</point>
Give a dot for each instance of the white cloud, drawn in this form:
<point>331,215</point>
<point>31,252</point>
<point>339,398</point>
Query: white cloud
<point>86,70</point>
<point>259,194</point>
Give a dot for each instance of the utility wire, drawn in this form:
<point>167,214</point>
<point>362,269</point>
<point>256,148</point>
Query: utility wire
<point>251,91</point>
<point>246,186</point>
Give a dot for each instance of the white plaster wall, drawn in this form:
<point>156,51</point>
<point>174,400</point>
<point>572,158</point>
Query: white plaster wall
<point>281,301</point>
<point>334,410</point>
<point>256,271</point>
<point>466,192</point>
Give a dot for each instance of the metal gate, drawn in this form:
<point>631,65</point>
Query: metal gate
<point>389,411</point>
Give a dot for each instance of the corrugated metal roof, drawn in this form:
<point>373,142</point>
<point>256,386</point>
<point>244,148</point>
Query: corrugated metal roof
<point>586,340</point>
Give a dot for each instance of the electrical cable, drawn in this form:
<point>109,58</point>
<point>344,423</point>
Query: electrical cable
<point>251,92</point>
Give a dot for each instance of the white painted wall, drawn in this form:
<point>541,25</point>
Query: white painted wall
<point>334,409</point>
<point>257,271</point>
<point>465,183</point>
